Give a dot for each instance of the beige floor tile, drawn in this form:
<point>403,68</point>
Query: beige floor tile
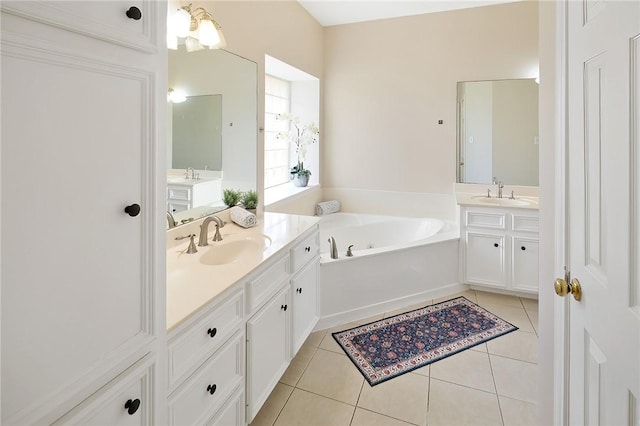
<point>533,317</point>
<point>498,299</point>
<point>516,316</point>
<point>330,344</point>
<point>469,294</point>
<point>451,404</point>
<point>315,338</point>
<point>467,368</point>
<point>515,379</point>
<point>479,348</point>
<point>298,365</point>
<point>403,397</point>
<point>530,304</point>
<point>332,375</point>
<point>521,345</point>
<point>369,418</point>
<point>518,413</point>
<point>272,406</point>
<point>423,371</point>
<point>307,409</point>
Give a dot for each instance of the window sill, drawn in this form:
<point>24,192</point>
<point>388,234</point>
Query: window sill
<point>285,191</point>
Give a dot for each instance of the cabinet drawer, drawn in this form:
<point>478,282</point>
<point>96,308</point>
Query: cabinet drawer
<point>178,193</point>
<point>264,285</point>
<point>304,251</point>
<point>232,413</point>
<point>525,223</point>
<point>210,386</point>
<point>189,348</point>
<point>486,220</point>
<point>112,403</point>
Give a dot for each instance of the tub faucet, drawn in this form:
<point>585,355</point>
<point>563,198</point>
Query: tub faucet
<point>333,249</point>
<point>204,229</point>
<point>500,186</point>
<point>172,222</point>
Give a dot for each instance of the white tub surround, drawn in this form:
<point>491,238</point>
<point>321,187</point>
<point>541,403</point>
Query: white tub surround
<point>412,260</point>
<point>185,193</point>
<point>499,241</point>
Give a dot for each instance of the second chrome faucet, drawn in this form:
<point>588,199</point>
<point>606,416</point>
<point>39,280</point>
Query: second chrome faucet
<point>204,230</point>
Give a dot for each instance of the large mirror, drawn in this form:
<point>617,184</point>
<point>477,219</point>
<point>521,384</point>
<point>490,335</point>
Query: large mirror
<point>212,135</point>
<point>498,132</point>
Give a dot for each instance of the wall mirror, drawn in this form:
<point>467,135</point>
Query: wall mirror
<point>497,132</point>
<point>214,132</point>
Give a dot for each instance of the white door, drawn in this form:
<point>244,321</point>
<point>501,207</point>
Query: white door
<point>604,327</point>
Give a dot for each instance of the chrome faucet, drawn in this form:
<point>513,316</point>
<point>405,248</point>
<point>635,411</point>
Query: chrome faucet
<point>170,219</point>
<point>204,230</point>
<point>193,173</point>
<point>500,186</point>
<point>333,249</point>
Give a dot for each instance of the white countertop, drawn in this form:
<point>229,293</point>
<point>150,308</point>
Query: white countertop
<point>191,284</point>
<point>481,200</point>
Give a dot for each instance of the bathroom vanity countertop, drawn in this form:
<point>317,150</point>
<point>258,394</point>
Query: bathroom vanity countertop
<point>192,284</point>
<point>481,200</point>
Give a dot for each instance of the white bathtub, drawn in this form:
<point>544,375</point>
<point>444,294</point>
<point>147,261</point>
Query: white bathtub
<point>396,261</point>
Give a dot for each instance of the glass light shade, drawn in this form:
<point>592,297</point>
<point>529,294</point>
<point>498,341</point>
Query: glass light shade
<point>176,96</point>
<point>181,23</point>
<point>207,33</point>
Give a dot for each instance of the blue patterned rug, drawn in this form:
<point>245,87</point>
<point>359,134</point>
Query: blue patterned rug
<point>396,345</point>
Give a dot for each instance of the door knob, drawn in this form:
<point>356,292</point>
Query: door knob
<point>563,288</point>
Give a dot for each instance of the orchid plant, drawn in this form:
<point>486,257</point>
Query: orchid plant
<point>301,136</point>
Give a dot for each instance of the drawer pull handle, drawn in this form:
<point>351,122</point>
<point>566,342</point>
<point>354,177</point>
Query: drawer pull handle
<point>299,290</point>
<point>284,308</point>
<point>133,210</point>
<point>132,406</point>
<point>496,245</point>
<point>523,248</point>
<point>212,389</point>
<point>212,331</point>
<point>307,249</point>
<point>134,13</point>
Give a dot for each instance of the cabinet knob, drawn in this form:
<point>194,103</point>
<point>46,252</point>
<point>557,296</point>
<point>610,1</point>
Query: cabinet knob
<point>133,210</point>
<point>307,249</point>
<point>299,290</point>
<point>496,245</point>
<point>212,389</point>
<point>132,406</point>
<point>523,248</point>
<point>212,331</point>
<point>283,307</point>
<point>134,13</point>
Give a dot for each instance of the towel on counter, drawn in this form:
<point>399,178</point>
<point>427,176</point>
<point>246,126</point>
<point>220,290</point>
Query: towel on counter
<point>327,207</point>
<point>242,217</point>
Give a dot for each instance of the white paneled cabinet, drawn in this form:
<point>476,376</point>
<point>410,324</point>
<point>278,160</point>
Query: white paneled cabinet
<point>500,248</point>
<point>304,300</point>
<point>82,299</point>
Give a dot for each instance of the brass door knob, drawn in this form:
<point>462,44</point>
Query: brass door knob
<point>563,288</point>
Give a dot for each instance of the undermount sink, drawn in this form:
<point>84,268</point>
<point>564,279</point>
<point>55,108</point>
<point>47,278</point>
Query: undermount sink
<point>517,202</point>
<point>226,252</point>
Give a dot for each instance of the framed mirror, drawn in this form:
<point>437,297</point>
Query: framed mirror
<point>497,132</point>
<point>212,135</point>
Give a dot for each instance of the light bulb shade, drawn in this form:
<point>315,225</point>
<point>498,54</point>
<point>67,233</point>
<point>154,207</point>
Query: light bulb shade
<point>176,96</point>
<point>181,23</point>
<point>207,33</point>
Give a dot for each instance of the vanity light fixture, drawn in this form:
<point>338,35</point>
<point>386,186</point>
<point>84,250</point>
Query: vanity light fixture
<point>196,26</point>
<point>176,96</point>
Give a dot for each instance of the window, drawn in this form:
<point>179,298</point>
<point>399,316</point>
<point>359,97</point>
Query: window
<point>277,100</point>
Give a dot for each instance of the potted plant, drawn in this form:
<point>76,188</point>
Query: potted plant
<point>301,136</point>
<point>231,197</point>
<point>250,200</point>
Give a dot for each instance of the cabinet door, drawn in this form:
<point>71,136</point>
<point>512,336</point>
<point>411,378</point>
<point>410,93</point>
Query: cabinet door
<point>77,271</point>
<point>485,259</point>
<point>304,303</point>
<point>525,264</point>
<point>268,349</point>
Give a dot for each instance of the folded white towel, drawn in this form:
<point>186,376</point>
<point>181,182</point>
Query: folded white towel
<point>243,217</point>
<point>327,207</point>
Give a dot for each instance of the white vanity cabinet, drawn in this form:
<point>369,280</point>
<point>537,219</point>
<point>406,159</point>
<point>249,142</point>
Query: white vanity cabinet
<point>82,297</point>
<point>181,197</point>
<point>500,248</point>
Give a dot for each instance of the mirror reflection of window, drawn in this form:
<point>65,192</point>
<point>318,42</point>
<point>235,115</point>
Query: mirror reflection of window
<point>498,132</point>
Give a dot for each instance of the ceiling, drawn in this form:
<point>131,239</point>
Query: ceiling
<point>336,12</point>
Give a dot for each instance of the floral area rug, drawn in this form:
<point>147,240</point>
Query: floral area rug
<point>396,345</point>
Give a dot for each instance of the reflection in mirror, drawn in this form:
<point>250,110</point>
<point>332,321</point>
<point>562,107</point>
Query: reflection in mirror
<point>498,132</point>
<point>221,91</point>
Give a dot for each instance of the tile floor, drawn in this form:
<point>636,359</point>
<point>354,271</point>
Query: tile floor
<point>491,384</point>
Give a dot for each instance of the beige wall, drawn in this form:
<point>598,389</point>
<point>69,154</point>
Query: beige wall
<point>388,82</point>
